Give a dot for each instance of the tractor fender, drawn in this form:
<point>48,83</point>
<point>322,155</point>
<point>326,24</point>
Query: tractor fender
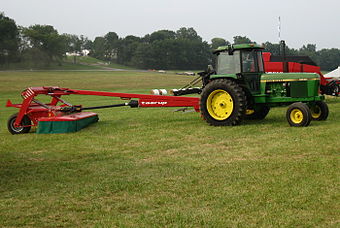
<point>221,76</point>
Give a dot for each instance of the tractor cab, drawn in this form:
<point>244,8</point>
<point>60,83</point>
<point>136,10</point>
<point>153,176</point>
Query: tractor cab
<point>243,62</point>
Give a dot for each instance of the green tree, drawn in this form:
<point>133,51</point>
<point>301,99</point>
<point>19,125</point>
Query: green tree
<point>276,49</point>
<point>272,48</point>
<point>187,34</point>
<point>86,43</point>
<point>73,45</point>
<point>98,48</point>
<point>44,39</point>
<point>9,40</point>
<point>127,48</point>
<point>329,59</point>
<point>218,42</point>
<point>168,50</point>
<point>242,40</point>
<point>111,46</point>
<point>162,35</point>
<point>309,50</point>
<point>143,56</point>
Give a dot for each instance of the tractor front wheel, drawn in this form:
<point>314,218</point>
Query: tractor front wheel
<point>223,103</point>
<point>319,111</point>
<point>24,128</point>
<point>298,115</point>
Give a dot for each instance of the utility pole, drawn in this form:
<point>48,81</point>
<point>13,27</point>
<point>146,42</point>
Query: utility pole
<point>279,28</point>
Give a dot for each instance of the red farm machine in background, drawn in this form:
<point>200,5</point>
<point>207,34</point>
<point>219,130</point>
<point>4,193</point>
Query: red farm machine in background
<point>283,63</point>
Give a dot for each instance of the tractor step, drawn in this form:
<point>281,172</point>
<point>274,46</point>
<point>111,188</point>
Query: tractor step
<point>67,123</point>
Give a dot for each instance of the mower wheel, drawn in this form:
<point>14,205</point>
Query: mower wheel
<point>298,115</point>
<point>258,113</point>
<point>223,103</point>
<point>319,111</point>
<point>18,130</point>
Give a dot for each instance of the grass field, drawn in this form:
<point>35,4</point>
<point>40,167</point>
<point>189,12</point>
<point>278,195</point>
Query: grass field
<point>157,168</point>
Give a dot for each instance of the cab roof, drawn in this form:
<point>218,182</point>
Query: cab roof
<point>237,47</point>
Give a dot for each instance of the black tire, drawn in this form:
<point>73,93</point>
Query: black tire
<point>319,111</point>
<point>298,115</point>
<point>260,112</point>
<point>228,98</point>
<point>18,130</point>
<point>336,90</point>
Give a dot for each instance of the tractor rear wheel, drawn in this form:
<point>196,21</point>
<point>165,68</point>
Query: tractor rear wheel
<point>319,111</point>
<point>18,130</point>
<point>258,113</point>
<point>298,115</point>
<point>223,103</point>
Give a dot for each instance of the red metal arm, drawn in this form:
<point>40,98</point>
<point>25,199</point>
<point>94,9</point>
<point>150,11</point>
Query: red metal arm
<point>36,110</point>
<point>149,100</point>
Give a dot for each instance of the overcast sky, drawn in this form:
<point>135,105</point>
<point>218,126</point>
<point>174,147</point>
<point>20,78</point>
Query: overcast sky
<point>302,21</point>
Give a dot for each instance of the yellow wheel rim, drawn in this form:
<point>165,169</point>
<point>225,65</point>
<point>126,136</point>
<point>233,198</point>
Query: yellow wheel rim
<point>316,112</point>
<point>296,116</point>
<point>220,104</point>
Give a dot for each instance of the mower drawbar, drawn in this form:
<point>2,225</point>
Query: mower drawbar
<point>59,116</point>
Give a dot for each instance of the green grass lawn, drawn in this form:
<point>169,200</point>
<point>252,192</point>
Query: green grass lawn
<point>158,168</point>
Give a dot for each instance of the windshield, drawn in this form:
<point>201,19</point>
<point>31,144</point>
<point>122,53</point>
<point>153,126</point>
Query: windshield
<point>248,61</point>
<point>252,61</point>
<point>228,64</point>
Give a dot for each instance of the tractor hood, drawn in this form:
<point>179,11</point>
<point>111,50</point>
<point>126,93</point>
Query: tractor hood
<point>288,77</point>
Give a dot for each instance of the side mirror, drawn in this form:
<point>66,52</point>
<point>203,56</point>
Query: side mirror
<point>230,50</point>
<point>210,69</point>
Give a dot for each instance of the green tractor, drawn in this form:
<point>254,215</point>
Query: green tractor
<point>240,89</point>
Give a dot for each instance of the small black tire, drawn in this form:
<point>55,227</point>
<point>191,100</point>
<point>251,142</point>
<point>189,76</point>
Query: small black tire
<point>18,130</point>
<point>259,113</point>
<point>336,90</point>
<point>319,111</point>
<point>223,103</point>
<point>298,115</point>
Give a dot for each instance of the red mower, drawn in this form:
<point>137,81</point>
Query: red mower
<point>59,116</point>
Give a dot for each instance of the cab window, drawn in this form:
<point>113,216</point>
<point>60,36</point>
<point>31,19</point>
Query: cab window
<point>228,64</point>
<point>248,62</point>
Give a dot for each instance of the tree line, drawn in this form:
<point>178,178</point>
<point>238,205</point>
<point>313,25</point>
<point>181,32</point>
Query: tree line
<point>42,45</point>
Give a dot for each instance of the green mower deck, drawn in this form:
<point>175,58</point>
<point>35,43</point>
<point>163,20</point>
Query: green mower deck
<point>67,123</point>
